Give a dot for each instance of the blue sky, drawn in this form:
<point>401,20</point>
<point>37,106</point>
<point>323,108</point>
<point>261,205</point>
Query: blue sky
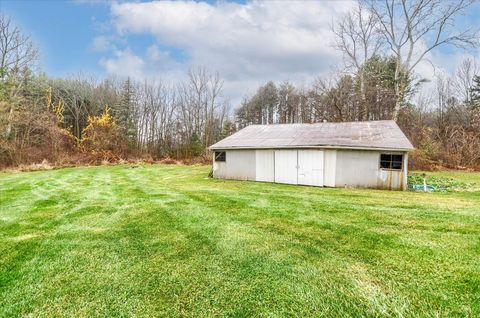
<point>62,30</point>
<point>247,42</point>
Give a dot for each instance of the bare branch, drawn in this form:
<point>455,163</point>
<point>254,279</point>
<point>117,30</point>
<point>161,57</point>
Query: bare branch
<point>406,23</point>
<point>17,50</point>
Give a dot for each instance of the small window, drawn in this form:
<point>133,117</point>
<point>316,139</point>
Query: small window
<point>389,161</point>
<point>220,156</point>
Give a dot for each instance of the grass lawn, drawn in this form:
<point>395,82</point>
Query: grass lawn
<point>167,241</point>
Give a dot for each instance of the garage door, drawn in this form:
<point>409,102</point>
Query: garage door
<point>286,166</point>
<point>310,167</point>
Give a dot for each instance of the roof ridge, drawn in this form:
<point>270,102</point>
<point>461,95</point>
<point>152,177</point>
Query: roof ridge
<point>327,122</point>
<point>369,134</point>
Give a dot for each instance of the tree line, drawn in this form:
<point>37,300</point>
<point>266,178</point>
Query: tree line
<point>83,119</point>
<point>444,125</point>
<point>382,42</point>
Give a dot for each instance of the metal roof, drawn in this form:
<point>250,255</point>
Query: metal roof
<point>383,134</point>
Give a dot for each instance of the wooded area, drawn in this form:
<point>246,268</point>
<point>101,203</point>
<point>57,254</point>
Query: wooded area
<point>82,119</point>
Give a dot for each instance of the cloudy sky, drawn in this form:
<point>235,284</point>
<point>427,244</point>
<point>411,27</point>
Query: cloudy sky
<point>248,42</point>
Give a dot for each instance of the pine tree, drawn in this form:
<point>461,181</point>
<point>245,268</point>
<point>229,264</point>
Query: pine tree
<point>125,112</point>
<point>227,129</point>
<point>195,145</point>
<point>475,102</point>
<point>475,91</point>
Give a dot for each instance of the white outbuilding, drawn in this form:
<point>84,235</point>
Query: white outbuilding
<point>371,154</point>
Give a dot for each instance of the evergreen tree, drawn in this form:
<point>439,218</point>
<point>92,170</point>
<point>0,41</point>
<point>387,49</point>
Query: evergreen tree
<point>475,103</point>
<point>124,112</point>
<point>196,146</point>
<point>475,91</point>
<point>227,129</point>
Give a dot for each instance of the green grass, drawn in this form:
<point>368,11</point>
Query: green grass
<point>167,241</point>
<point>446,181</point>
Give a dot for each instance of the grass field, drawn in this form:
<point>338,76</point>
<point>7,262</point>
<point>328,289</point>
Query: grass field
<point>167,241</point>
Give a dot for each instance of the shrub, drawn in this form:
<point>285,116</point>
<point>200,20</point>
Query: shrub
<point>102,139</point>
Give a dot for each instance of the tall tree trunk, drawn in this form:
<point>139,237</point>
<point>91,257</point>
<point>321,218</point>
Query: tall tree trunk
<point>364,104</point>
<point>8,130</point>
<point>398,92</point>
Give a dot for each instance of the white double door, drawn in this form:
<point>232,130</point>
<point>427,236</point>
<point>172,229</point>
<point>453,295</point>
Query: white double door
<point>299,167</point>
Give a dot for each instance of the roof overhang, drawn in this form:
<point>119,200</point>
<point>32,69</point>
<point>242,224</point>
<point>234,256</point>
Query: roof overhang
<point>383,135</point>
<point>316,147</point>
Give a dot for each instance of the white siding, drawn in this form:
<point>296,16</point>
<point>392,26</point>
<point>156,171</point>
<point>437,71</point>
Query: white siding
<point>265,165</point>
<point>310,167</point>
<point>357,168</point>
<point>239,165</point>
<point>327,167</point>
<point>330,167</point>
<point>286,168</point>
<point>405,171</point>
<point>361,169</point>
<point>219,169</point>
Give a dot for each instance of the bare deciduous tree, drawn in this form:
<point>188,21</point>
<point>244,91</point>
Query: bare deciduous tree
<point>357,37</point>
<point>413,28</point>
<point>17,53</point>
<point>201,104</point>
<point>17,49</point>
<point>464,78</point>
<point>78,94</point>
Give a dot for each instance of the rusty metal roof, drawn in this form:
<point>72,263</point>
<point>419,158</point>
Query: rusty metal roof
<point>384,134</point>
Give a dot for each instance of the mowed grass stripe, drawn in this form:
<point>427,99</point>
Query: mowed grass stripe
<point>167,241</point>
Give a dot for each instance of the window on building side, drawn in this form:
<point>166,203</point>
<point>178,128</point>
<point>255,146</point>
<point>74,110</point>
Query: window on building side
<point>389,161</point>
<point>220,156</point>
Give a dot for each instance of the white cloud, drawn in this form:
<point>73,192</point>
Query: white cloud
<point>438,63</point>
<point>154,64</point>
<point>124,63</point>
<point>100,44</point>
<point>247,43</point>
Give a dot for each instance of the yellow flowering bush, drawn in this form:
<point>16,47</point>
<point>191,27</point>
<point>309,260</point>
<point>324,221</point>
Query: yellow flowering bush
<point>102,138</point>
